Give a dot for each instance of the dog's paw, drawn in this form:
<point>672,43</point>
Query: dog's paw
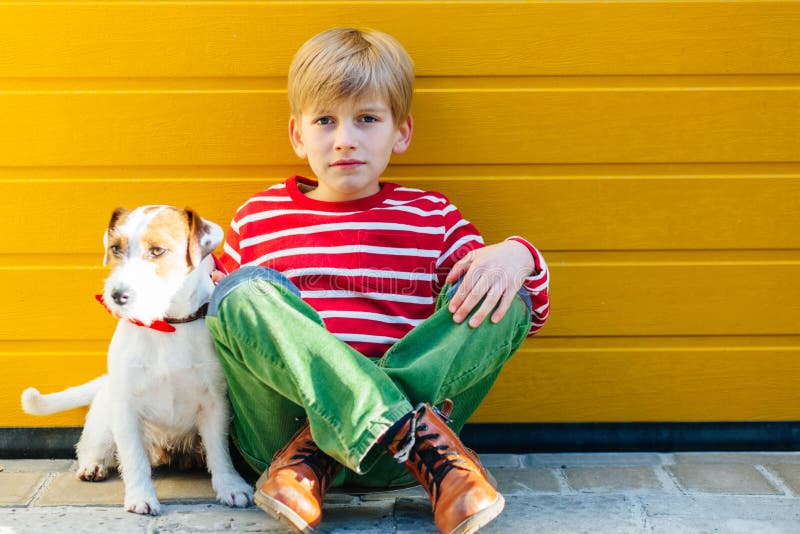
<point>92,472</point>
<point>142,504</point>
<point>234,492</point>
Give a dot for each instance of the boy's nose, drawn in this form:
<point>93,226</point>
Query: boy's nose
<point>345,137</point>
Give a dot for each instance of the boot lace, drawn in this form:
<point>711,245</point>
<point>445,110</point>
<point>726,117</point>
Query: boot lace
<point>432,461</point>
<point>323,466</point>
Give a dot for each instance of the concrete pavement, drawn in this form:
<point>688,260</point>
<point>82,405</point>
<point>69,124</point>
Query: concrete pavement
<point>548,493</point>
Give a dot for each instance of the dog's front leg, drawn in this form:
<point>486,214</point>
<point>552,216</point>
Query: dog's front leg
<point>96,446</point>
<point>140,493</point>
<point>212,424</point>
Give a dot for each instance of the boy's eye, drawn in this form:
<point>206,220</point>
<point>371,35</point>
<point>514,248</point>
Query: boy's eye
<point>369,118</point>
<point>323,121</point>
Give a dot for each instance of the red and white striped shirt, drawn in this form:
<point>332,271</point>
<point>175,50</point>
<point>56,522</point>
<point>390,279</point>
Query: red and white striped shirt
<point>371,267</point>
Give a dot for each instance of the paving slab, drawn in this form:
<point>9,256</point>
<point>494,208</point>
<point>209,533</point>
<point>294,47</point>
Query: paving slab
<point>413,516</point>
<point>592,493</point>
<point>490,461</point>
<point>612,479</point>
<point>526,481</point>
<point>17,489</point>
<point>722,507</point>
<point>726,526</point>
<point>35,466</point>
<point>214,518</point>
<point>789,474</point>
<point>366,517</point>
<point>67,489</point>
<point>737,457</point>
<point>71,520</point>
<point>185,487</point>
<point>735,479</point>
<point>580,459</point>
<point>567,514</point>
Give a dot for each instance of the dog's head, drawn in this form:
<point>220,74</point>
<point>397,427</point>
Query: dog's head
<point>151,252</point>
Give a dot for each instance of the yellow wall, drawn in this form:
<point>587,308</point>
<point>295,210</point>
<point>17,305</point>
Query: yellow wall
<point>650,149</point>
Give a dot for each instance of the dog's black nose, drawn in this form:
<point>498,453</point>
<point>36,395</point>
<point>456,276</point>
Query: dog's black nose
<point>120,296</point>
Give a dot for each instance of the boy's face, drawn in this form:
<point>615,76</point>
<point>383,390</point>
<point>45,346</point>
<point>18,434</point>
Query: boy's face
<point>348,146</point>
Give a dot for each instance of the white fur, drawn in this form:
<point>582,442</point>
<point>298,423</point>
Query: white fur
<point>162,390</point>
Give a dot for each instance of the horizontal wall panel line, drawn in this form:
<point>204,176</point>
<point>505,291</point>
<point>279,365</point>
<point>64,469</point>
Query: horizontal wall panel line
<point>217,129</point>
<point>268,174</point>
<point>555,258</point>
<point>604,300</point>
<point>483,38</point>
<point>530,348</point>
<point>430,84</point>
<point>634,350</point>
<point>571,215</point>
<point>532,345</point>
<point>545,386</point>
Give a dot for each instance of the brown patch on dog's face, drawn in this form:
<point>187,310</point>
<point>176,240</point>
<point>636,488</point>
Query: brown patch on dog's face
<point>164,242</point>
<point>197,229</point>
<point>156,234</point>
<point>116,242</point>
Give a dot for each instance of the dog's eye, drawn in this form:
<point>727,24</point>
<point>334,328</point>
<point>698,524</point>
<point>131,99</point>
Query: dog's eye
<point>116,250</point>
<point>155,252</point>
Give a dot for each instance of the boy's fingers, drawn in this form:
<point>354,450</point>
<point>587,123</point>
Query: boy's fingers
<point>489,303</point>
<point>458,269</point>
<point>461,293</point>
<point>502,308</point>
<point>468,294</point>
<point>465,308</point>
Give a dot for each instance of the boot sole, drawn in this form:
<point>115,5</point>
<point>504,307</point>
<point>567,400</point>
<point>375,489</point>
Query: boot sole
<point>282,513</point>
<point>482,518</point>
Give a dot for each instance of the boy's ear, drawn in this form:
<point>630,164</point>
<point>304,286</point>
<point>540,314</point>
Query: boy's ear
<point>296,137</point>
<point>404,136</point>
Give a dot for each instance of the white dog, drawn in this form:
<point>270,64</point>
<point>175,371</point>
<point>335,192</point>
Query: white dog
<point>165,389</point>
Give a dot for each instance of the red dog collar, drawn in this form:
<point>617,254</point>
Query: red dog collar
<point>159,324</point>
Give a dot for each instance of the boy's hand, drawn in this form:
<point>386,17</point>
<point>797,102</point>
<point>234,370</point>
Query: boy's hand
<point>217,276</point>
<point>496,272</point>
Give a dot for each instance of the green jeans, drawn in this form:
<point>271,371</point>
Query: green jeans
<point>283,366</point>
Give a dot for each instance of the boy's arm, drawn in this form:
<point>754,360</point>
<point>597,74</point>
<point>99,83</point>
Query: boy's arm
<point>231,258</point>
<point>537,285</point>
<point>497,272</point>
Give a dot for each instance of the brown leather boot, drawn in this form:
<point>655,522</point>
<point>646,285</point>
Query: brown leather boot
<point>293,487</point>
<point>463,499</point>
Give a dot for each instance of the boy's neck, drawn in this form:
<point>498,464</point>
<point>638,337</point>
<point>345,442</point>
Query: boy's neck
<point>305,188</point>
<point>299,188</point>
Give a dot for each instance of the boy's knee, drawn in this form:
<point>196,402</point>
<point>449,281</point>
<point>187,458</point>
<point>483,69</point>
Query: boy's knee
<point>249,278</point>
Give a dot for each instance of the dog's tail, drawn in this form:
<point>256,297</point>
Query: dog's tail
<point>35,403</point>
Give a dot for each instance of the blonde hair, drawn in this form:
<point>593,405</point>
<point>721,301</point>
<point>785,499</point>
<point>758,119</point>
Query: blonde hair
<point>346,63</point>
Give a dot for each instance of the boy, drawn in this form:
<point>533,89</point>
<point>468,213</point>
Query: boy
<point>358,306</point>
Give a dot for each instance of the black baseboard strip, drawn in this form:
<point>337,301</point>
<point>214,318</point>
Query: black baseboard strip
<point>39,442</point>
<point>632,437</point>
<point>59,442</point>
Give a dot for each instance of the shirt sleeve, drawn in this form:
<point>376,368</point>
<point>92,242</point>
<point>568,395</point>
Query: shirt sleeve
<point>537,285</point>
<point>460,238</point>
<point>231,258</point>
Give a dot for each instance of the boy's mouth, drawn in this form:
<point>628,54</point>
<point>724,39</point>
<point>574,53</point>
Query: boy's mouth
<point>347,163</point>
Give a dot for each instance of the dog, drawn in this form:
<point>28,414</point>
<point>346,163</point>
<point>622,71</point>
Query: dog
<point>164,392</point>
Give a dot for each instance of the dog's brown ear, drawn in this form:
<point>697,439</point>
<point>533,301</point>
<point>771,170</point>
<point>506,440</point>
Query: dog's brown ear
<point>204,237</point>
<point>115,217</point>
